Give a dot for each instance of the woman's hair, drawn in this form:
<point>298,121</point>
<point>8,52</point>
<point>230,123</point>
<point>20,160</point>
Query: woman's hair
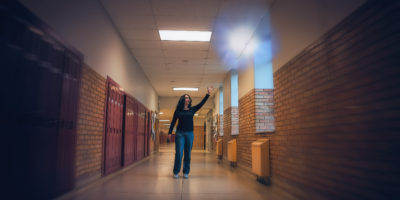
<point>181,103</point>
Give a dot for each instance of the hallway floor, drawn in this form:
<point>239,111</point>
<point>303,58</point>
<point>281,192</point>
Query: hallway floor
<point>152,179</point>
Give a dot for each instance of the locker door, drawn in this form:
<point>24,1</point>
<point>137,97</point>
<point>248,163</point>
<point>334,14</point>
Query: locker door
<point>135,128</point>
<point>148,135</point>
<point>129,132</point>
<point>113,130</point>
<point>68,120</point>
<point>146,130</point>
<point>140,133</point>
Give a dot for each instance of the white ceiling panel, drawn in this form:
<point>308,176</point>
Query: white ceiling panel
<point>195,61</point>
<point>140,34</point>
<point>150,60</point>
<point>185,54</point>
<point>213,61</point>
<point>128,7</point>
<point>147,52</point>
<point>144,44</point>
<point>174,45</point>
<point>184,23</point>
<point>208,8</point>
<point>134,21</point>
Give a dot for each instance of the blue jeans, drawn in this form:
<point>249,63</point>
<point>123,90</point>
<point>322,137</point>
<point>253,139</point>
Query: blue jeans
<point>183,143</point>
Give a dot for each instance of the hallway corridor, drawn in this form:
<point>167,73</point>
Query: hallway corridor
<point>152,179</point>
<point>303,94</point>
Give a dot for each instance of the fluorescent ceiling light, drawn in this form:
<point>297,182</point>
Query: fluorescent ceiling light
<point>161,113</point>
<point>164,120</point>
<point>202,36</point>
<point>167,124</point>
<point>196,114</point>
<point>188,89</point>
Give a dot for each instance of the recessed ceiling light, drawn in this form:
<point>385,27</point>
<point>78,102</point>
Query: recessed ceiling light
<point>187,89</point>
<point>201,36</point>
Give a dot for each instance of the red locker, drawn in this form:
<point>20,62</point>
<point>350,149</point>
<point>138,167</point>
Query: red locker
<point>113,127</point>
<point>146,130</point>
<point>135,127</point>
<point>40,81</point>
<point>129,131</point>
<point>148,133</point>
<point>140,132</point>
<point>67,125</point>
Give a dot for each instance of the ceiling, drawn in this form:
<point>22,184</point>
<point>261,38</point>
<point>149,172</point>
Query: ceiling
<point>170,64</point>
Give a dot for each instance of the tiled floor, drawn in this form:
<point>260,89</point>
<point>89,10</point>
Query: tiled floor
<point>152,179</point>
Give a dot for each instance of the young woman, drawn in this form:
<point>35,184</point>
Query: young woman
<point>184,132</point>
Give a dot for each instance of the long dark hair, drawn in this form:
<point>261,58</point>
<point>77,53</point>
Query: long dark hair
<point>181,103</point>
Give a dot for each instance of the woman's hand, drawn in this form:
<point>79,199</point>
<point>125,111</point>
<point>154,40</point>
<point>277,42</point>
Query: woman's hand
<point>209,90</point>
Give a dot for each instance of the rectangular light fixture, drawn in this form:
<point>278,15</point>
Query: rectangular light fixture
<point>201,36</point>
<point>166,124</point>
<point>161,113</point>
<point>164,120</point>
<point>186,89</point>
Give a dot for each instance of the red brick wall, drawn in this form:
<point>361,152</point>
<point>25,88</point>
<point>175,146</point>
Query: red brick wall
<point>247,128</point>
<point>337,111</point>
<point>221,125</point>
<point>234,120</point>
<point>256,118</point>
<point>227,130</point>
<point>90,127</point>
<point>264,110</point>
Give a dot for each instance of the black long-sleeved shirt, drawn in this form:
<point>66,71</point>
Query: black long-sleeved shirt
<point>186,117</point>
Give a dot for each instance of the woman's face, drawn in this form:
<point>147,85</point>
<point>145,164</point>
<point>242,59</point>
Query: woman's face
<point>187,100</point>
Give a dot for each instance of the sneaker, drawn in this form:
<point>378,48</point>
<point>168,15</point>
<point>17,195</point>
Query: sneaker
<point>176,175</point>
<point>186,176</point>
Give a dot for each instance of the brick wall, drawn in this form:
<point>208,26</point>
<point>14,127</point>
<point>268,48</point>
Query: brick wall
<point>264,110</point>
<point>256,121</point>
<point>227,131</point>
<point>220,125</point>
<point>234,120</point>
<point>337,110</point>
<point>247,128</point>
<point>90,127</point>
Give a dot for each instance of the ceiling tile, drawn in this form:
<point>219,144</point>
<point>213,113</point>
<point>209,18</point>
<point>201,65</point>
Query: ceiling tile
<point>184,23</point>
<point>134,21</point>
<point>150,60</point>
<point>140,34</point>
<point>213,61</point>
<point>127,7</point>
<point>145,44</point>
<point>172,60</point>
<point>180,45</point>
<point>208,8</point>
<point>147,52</point>
<point>185,54</point>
